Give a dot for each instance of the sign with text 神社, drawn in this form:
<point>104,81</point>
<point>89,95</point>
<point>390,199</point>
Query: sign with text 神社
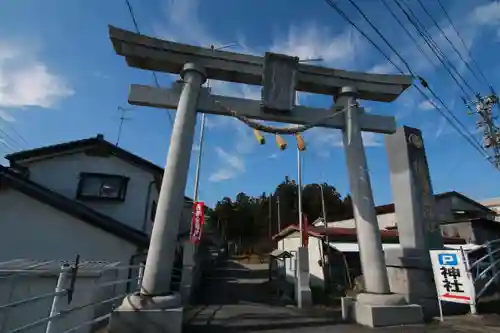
<point>197,222</point>
<point>453,283</point>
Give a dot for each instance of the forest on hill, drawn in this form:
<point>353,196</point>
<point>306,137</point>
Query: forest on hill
<point>250,221</point>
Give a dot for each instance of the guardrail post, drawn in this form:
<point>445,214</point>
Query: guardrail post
<point>492,260</point>
<point>140,274</point>
<point>62,284</point>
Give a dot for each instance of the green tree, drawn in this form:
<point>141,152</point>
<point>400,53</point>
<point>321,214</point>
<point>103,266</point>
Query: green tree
<point>251,221</point>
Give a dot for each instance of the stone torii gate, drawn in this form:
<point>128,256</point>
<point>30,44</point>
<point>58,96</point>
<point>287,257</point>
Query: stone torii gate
<point>280,76</point>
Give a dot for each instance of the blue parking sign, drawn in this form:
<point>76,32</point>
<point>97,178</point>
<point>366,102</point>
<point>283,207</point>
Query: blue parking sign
<point>448,259</point>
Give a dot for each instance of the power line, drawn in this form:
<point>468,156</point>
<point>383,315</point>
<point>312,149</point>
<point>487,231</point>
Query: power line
<point>449,41</point>
<point>463,43</point>
<point>384,2</point>
<point>5,137</point>
<point>360,11</point>
<point>423,82</point>
<point>155,77</point>
<point>422,51</point>
<point>8,124</point>
<point>431,43</point>
<point>401,24</point>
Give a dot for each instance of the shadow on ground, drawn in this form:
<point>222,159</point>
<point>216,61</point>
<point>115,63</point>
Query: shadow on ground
<point>234,283</point>
<point>237,297</point>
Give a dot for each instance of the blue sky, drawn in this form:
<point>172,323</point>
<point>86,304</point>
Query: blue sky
<point>60,80</point>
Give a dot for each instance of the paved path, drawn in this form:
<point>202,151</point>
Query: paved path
<point>236,299</point>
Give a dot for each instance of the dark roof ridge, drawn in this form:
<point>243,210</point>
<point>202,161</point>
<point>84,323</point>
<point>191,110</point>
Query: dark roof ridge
<point>72,207</point>
<point>16,157</point>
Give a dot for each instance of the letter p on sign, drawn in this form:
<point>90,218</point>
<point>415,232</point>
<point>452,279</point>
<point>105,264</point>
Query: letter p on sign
<point>448,259</point>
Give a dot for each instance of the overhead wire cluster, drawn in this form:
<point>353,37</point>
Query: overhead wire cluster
<point>10,142</point>
<point>436,50</point>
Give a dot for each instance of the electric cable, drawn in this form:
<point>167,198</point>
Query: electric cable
<point>401,24</point>
<point>422,81</point>
<point>449,41</point>
<point>155,77</point>
<point>431,43</point>
<point>463,42</point>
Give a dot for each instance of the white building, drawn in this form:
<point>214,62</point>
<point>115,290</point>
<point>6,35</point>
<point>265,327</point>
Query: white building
<point>86,197</point>
<point>339,248</point>
<point>463,221</point>
<point>493,204</point>
<point>451,208</point>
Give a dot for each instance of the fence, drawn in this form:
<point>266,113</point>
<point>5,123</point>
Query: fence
<point>485,268</point>
<point>75,305</point>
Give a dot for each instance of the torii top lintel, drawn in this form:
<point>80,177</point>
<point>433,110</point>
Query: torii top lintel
<point>160,55</point>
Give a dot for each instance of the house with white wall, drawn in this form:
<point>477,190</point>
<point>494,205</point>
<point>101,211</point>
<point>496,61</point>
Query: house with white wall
<point>464,221</point>
<point>493,204</point>
<point>334,252</point>
<point>454,210</point>
<point>86,197</point>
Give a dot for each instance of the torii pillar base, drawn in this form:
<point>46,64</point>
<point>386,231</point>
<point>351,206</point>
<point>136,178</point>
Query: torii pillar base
<point>381,310</point>
<point>144,314</point>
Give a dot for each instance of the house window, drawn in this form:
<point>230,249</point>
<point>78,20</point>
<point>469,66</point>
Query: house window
<point>97,186</point>
<point>153,210</point>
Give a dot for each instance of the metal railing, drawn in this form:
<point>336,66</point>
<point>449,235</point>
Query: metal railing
<point>63,295</point>
<point>485,270</point>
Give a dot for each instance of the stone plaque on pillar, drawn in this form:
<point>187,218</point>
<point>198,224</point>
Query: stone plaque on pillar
<point>409,268</point>
<point>279,78</point>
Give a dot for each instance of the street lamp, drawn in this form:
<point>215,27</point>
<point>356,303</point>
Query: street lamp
<point>202,131</point>
<point>299,171</point>
<point>323,208</point>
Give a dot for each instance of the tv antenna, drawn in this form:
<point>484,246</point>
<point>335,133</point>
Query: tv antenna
<point>122,119</point>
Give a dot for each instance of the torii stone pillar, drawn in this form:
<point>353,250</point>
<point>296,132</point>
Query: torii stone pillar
<point>156,306</point>
<point>369,239</point>
<point>376,306</point>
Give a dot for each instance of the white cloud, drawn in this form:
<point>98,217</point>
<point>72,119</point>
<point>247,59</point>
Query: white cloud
<point>372,139</point>
<point>231,165</point>
<point>425,105</point>
<point>6,116</point>
<point>234,90</point>
<point>472,22</point>
<point>322,139</point>
<point>100,75</point>
<point>488,14</point>
<point>26,81</point>
<point>312,42</point>
<point>383,68</point>
<point>221,175</point>
<point>178,13</point>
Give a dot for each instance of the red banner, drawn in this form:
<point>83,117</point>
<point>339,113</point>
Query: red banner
<point>305,230</point>
<point>197,222</point>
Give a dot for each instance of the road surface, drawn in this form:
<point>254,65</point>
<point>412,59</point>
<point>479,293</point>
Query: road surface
<point>236,298</point>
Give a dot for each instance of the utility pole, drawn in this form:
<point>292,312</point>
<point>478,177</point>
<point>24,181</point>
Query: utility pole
<point>120,126</point>
<point>323,207</point>
<point>279,213</point>
<point>483,106</point>
<point>202,134</point>
<point>270,216</point>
